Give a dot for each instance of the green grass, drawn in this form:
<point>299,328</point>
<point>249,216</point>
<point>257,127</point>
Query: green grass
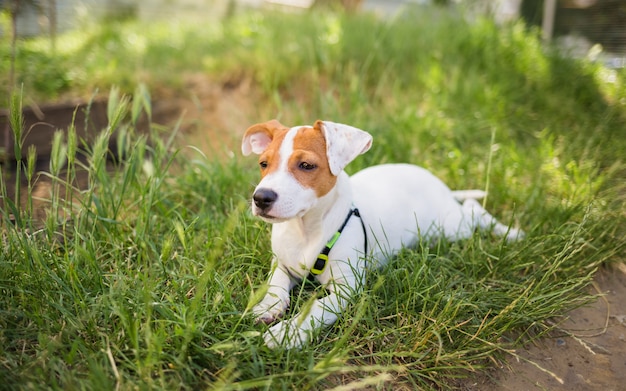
<point>141,278</point>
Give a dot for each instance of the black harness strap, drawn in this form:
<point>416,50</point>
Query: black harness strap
<point>322,259</point>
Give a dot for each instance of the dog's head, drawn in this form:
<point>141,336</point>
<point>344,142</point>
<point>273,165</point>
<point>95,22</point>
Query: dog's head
<point>299,165</point>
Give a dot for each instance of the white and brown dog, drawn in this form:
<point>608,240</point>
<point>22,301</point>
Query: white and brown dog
<point>333,227</point>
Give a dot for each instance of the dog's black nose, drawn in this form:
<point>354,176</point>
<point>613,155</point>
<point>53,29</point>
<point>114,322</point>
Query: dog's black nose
<point>264,198</point>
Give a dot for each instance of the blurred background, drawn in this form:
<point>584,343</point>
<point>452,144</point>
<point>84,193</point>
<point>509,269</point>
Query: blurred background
<point>63,54</point>
<point>593,21</point>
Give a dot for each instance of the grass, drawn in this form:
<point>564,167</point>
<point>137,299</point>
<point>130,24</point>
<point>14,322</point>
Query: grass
<point>141,278</point>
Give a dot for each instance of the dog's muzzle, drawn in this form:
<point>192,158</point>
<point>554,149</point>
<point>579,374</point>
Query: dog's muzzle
<point>264,199</point>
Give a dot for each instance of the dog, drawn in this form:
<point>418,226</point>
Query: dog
<point>333,228</point>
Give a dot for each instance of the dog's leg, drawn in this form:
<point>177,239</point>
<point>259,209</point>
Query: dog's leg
<point>296,331</point>
<point>480,218</point>
<point>276,300</point>
<point>462,195</point>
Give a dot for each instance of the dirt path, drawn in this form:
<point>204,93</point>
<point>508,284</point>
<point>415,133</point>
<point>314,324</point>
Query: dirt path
<point>590,353</point>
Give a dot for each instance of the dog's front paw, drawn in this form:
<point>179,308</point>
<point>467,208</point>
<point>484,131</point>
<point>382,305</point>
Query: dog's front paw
<point>270,309</point>
<point>287,334</point>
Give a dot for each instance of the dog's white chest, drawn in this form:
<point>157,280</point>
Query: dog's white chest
<point>296,248</point>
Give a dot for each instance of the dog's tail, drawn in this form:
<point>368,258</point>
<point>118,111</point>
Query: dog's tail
<point>462,195</point>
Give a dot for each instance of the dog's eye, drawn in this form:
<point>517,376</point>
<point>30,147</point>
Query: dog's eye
<point>263,164</point>
<point>307,166</point>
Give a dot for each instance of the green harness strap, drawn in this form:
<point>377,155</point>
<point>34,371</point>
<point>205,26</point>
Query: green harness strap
<point>322,259</point>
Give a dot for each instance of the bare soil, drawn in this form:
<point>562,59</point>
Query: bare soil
<point>587,352</point>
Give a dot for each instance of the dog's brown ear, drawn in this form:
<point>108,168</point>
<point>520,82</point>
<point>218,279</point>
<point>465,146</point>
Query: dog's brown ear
<point>343,143</point>
<point>258,136</point>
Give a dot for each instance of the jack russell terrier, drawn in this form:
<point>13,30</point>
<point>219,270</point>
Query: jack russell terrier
<point>332,227</point>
